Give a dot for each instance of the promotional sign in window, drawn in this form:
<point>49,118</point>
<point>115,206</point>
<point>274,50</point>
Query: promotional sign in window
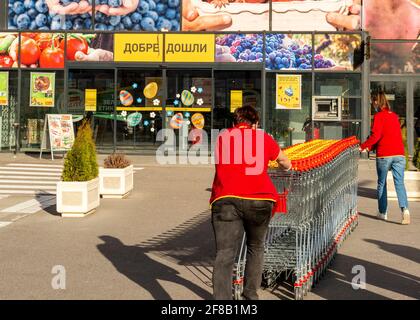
<point>189,47</point>
<point>288,51</point>
<point>9,49</point>
<point>239,48</point>
<point>236,99</point>
<point>325,15</point>
<point>288,91</point>
<point>138,47</point>
<point>395,58</point>
<point>90,47</point>
<point>42,50</point>
<point>4,88</point>
<point>50,14</point>
<point>402,19</point>
<point>42,89</point>
<point>90,99</point>
<point>335,51</point>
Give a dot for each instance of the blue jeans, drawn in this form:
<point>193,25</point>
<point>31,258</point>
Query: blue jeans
<point>397,166</point>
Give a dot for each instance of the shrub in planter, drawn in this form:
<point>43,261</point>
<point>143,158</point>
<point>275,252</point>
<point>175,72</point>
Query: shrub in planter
<point>116,177</point>
<point>78,192</point>
<point>416,158</point>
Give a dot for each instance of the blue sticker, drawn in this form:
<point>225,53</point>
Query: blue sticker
<point>176,102</point>
<point>146,123</point>
<point>135,85</point>
<point>200,90</point>
<point>186,114</point>
<point>139,100</point>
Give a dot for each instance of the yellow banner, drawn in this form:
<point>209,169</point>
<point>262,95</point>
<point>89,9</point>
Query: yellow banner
<point>235,99</point>
<point>90,99</point>
<point>289,92</point>
<point>189,47</point>
<point>129,47</point>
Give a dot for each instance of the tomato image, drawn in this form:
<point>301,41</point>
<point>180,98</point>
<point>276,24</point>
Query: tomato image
<point>52,57</point>
<point>29,51</point>
<point>45,40</point>
<point>75,44</point>
<point>6,61</point>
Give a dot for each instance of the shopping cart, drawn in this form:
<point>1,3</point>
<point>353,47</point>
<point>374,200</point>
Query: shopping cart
<point>319,197</point>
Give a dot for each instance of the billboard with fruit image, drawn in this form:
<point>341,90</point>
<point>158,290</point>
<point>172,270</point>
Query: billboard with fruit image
<point>239,48</point>
<point>335,51</point>
<point>288,51</point>
<point>90,47</point>
<point>110,15</point>
<point>9,51</point>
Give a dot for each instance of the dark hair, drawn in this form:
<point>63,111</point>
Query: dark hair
<point>246,114</point>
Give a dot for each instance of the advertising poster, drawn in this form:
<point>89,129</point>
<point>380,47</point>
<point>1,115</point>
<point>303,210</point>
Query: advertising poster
<point>288,51</point>
<point>90,47</point>
<point>239,48</point>
<point>34,130</point>
<point>9,49</point>
<point>402,16</point>
<point>335,51</point>
<point>60,127</point>
<point>395,58</point>
<point>325,15</point>
<point>90,99</point>
<point>236,99</point>
<point>288,91</point>
<point>110,15</point>
<point>42,50</point>
<point>4,88</point>
<point>42,89</point>
<point>222,15</point>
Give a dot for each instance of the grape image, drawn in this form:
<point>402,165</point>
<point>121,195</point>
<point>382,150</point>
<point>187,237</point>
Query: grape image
<point>239,48</point>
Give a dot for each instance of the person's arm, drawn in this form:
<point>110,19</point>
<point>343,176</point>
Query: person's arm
<point>284,161</point>
<point>375,136</point>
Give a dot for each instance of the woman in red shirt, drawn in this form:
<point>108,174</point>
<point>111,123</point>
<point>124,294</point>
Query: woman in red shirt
<point>386,137</point>
<point>243,199</point>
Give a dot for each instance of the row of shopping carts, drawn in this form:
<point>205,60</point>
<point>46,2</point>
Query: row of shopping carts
<point>319,199</point>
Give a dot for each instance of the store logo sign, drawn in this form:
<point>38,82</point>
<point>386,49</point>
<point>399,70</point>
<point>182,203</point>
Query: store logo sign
<point>138,47</point>
<point>189,47</point>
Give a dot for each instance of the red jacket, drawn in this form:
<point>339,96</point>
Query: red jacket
<point>386,135</point>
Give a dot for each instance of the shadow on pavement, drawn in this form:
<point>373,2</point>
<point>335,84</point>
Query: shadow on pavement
<point>406,252</point>
<point>136,265</point>
<point>374,218</point>
<point>337,283</point>
<point>366,192</point>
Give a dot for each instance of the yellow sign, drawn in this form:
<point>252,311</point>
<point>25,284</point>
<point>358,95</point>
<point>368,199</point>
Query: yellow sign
<point>288,92</point>
<point>129,47</point>
<point>235,99</point>
<point>90,99</point>
<point>189,47</point>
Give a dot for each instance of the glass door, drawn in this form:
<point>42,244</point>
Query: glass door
<point>416,98</point>
<point>140,97</point>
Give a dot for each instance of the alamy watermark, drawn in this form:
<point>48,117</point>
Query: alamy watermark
<point>58,281</point>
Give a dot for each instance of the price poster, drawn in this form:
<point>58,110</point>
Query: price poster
<point>90,99</point>
<point>60,127</point>
<point>288,92</point>
<point>4,88</point>
<point>236,99</point>
<point>42,89</point>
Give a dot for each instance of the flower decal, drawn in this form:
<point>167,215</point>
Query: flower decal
<point>156,102</point>
<point>139,100</point>
<point>124,113</point>
<point>178,96</point>
<point>135,85</point>
<point>152,115</point>
<point>200,102</point>
<point>193,89</point>
<point>152,129</point>
<point>176,102</point>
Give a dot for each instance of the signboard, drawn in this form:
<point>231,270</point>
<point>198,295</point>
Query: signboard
<point>235,99</point>
<point>189,47</point>
<point>288,92</point>
<point>138,47</point>
<point>60,133</point>
<point>90,99</point>
<point>4,88</point>
<point>42,89</point>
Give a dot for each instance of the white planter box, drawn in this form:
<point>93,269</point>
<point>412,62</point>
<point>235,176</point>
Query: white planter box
<point>412,186</point>
<point>115,183</point>
<point>77,199</point>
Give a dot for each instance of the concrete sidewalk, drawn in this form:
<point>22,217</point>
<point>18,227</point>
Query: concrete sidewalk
<point>158,244</point>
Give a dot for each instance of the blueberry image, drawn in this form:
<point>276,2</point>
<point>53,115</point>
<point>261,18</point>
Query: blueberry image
<point>33,25</point>
<point>126,21</point>
<point>115,20</point>
<point>170,14</point>
<point>153,15</point>
<point>115,3</point>
<point>100,26</point>
<point>87,24</point>
<point>18,7</point>
<point>173,3</point>
<point>164,24</point>
<point>41,20</point>
<point>148,24</point>
<point>161,8</point>
<point>143,7</point>
<point>135,17</point>
<point>78,24</point>
<point>175,25</point>
<point>29,4</point>
<point>137,27</point>
<point>32,13</point>
<point>41,6</point>
<point>152,4</point>
<point>23,21</point>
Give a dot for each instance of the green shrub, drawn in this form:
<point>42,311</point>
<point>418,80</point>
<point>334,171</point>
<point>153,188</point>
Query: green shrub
<point>80,162</point>
<point>416,158</point>
<point>407,155</point>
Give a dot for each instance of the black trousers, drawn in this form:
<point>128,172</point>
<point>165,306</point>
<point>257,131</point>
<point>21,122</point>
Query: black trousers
<point>230,218</point>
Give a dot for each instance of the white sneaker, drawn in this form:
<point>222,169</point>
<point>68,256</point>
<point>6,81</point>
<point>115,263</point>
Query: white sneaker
<point>382,216</point>
<point>405,217</point>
